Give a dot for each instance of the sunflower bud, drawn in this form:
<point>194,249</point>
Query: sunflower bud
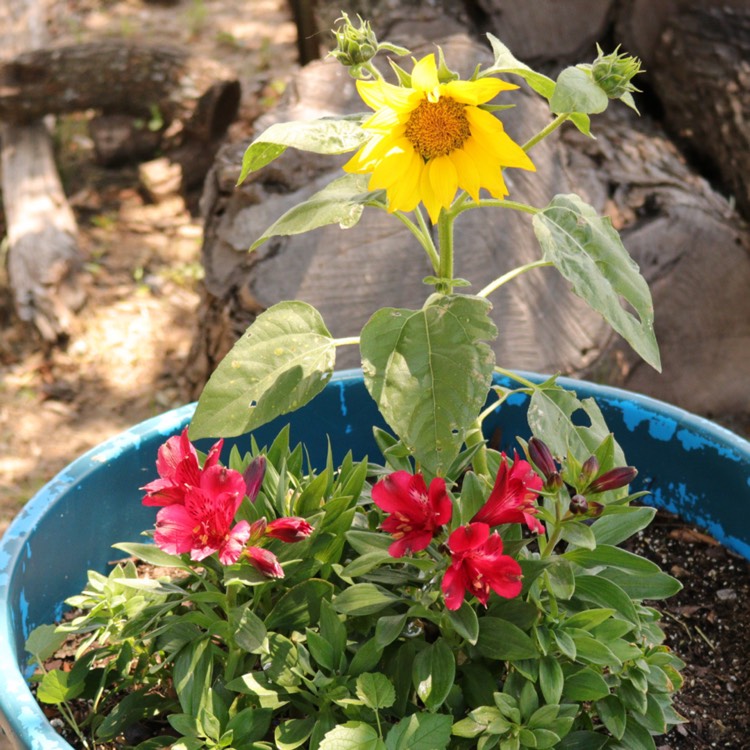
<point>578,504</point>
<point>613,73</point>
<point>613,479</point>
<point>354,46</point>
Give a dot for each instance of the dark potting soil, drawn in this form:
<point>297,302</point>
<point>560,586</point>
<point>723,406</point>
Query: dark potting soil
<point>707,624</point>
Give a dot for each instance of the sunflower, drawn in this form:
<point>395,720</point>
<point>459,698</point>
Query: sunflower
<point>432,138</point>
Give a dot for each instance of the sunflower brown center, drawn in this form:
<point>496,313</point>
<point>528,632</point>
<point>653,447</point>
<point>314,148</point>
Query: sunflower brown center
<point>438,128</point>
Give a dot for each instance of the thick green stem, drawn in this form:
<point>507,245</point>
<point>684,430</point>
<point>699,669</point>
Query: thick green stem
<point>445,245</point>
<point>498,282</point>
<point>542,134</point>
<point>347,341</point>
<point>475,437</point>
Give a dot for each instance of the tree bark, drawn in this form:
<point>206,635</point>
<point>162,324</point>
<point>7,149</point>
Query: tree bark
<point>113,77</point>
<point>43,256</point>
<point>697,56</point>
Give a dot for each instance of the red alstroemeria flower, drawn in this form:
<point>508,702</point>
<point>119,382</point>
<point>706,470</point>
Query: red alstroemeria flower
<point>265,561</point>
<point>479,566</point>
<point>289,529</point>
<point>513,497</point>
<point>416,513</point>
<point>178,467</point>
<point>202,524</point>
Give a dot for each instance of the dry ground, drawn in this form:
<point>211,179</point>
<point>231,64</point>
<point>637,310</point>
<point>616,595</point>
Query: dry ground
<point>142,261</point>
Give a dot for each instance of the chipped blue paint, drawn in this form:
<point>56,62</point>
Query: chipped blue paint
<point>659,427</point>
<point>688,464</point>
<point>342,398</point>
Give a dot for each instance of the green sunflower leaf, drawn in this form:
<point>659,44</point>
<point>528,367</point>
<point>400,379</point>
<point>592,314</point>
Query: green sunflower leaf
<point>340,202</point>
<point>576,91</point>
<point>589,253</point>
<point>324,136</point>
<point>429,371</point>
<point>505,62</point>
<point>283,360</point>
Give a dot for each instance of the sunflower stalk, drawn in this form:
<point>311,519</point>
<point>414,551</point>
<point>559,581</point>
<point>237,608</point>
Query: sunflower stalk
<point>544,132</point>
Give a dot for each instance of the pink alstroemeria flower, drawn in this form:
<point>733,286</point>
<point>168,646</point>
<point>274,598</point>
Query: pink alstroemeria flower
<point>202,524</point>
<point>415,513</point>
<point>178,467</point>
<point>289,529</point>
<point>513,497</point>
<point>265,561</point>
<point>479,566</point>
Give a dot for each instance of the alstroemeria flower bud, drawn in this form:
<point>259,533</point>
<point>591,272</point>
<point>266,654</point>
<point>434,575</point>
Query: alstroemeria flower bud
<point>589,470</point>
<point>265,561</point>
<point>578,504</point>
<point>541,457</point>
<point>289,529</point>
<point>613,479</point>
<point>253,477</point>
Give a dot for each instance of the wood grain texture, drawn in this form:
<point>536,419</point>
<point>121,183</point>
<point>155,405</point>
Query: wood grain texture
<point>43,256</point>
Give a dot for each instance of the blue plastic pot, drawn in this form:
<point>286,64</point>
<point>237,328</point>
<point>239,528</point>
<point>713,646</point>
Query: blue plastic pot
<point>690,465</point>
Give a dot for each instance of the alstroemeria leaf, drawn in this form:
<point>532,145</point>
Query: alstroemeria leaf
<point>340,202</point>
<point>433,673</point>
<point>324,136</point>
<point>505,62</point>
<point>589,253</point>
<point>283,360</point>
<point>576,91</point>
<point>429,371</point>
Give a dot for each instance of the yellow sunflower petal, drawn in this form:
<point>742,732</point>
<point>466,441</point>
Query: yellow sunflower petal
<point>476,92</point>
<point>431,203</point>
<point>383,120</point>
<point>424,77</point>
<point>371,93</point>
<point>468,174</point>
<point>392,167</point>
<point>490,135</point>
<point>490,173</point>
<point>443,179</point>
<point>404,194</point>
<point>368,155</point>
<point>378,94</point>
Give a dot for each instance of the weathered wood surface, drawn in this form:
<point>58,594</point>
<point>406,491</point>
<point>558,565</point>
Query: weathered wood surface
<point>202,94</point>
<point>698,56</point>
<point>537,31</point>
<point>690,243</point>
<point>43,256</point>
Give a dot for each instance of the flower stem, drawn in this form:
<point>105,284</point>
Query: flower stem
<point>473,437</point>
<point>346,341</point>
<point>515,376</point>
<point>544,132</point>
<point>422,233</point>
<point>498,282</point>
<point>496,203</point>
<point>445,245</point>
